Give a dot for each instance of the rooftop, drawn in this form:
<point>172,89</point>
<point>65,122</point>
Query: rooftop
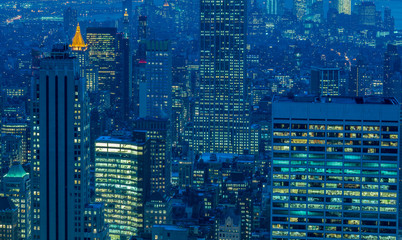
<point>171,228</point>
<point>217,157</point>
<point>16,171</point>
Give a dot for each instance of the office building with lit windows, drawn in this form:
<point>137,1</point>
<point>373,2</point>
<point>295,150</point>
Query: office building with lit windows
<point>335,167</point>
<point>122,183</point>
<point>60,148</point>
<point>344,6</point>
<point>22,130</point>
<point>325,81</point>
<point>103,55</point>
<point>221,121</point>
<point>158,131</point>
<point>16,185</point>
<point>8,220</point>
<point>156,91</point>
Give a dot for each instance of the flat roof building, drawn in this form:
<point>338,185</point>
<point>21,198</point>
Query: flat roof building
<point>335,164</point>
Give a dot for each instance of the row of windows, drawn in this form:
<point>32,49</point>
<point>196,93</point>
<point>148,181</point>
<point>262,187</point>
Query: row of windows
<point>333,228</point>
<point>365,128</point>
<point>336,163</point>
<point>334,149</point>
<point>335,156</point>
<point>335,135</point>
<point>335,142</point>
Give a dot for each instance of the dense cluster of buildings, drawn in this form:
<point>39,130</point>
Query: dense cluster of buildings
<point>192,120</point>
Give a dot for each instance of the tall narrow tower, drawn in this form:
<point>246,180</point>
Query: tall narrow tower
<point>221,121</point>
<point>79,50</point>
<point>60,148</point>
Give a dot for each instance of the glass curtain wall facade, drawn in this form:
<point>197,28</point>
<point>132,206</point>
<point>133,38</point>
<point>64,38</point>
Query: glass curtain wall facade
<point>121,183</point>
<point>335,169</point>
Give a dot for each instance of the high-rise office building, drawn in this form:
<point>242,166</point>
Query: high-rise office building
<point>392,87</point>
<point>159,133</point>
<point>221,122</point>
<point>16,185</point>
<point>359,82</point>
<point>367,13</point>
<point>122,182</point>
<point>389,20</point>
<point>272,7</point>
<point>128,5</point>
<point>103,55</point>
<point>79,50</point>
<point>344,7</point>
<point>325,81</point>
<point>22,130</point>
<point>60,140</point>
<point>8,220</point>
<point>335,167</point>
<point>124,90</point>
<point>142,29</point>
<point>109,52</point>
<point>156,91</point>
<point>300,8</point>
<point>70,21</point>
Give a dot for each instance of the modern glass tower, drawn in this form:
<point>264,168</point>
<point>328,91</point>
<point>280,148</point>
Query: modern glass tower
<point>335,168</point>
<point>221,122</point>
<point>122,169</point>
<point>103,55</point>
<point>156,90</point>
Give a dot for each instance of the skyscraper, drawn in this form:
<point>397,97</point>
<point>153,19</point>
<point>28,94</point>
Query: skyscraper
<point>60,148</point>
<point>79,50</point>
<point>221,122</point>
<point>367,13</point>
<point>159,133</point>
<point>300,8</point>
<point>123,91</point>
<point>335,167</point>
<point>156,91</point>
<point>325,81</point>
<point>122,182</point>
<point>109,52</point>
<point>389,20</point>
<point>344,7</point>
<point>8,219</point>
<point>70,21</point>
<point>128,5</point>
<point>392,87</point>
<point>102,44</point>
<point>272,7</point>
<point>16,185</point>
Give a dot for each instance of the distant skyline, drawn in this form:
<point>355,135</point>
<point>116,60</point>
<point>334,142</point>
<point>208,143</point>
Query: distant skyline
<point>396,10</point>
<point>395,5</point>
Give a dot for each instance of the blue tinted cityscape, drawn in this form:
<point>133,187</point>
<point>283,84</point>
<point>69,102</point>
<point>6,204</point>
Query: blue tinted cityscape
<point>200,119</point>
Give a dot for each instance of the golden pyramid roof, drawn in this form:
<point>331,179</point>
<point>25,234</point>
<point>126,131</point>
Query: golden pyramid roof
<point>78,41</point>
<point>166,4</point>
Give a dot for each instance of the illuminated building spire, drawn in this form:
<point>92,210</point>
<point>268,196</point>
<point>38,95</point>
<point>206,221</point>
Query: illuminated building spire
<point>126,24</point>
<point>78,43</point>
<point>166,4</point>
